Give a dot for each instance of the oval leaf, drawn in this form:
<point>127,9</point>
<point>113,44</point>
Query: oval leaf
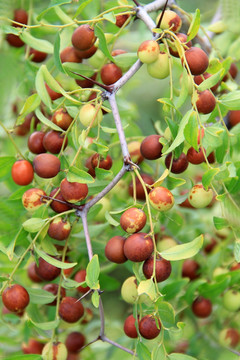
<point>53,261</point>
<point>40,296</point>
<point>33,225</point>
<point>183,251</point>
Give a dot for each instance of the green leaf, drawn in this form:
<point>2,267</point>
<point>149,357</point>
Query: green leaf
<point>183,251</point>
<point>57,60</point>
<point>147,287</point>
<point>220,223</point>
<point>175,356</point>
<point>108,283</point>
<point>40,296</point>
<point>78,175</point>
<point>172,290</point>
<point>173,182</point>
<point>95,299</point>
<point>37,44</point>
<point>81,8</point>
<point>231,100</point>
<point>34,224</point>
<point>184,90</point>
<point>102,42</point>
<point>191,131</point>
<point>41,88</point>
<point>215,289</point>
<point>158,353</point>
<point>166,314</point>
<point>93,271</point>
<point>47,122</point>
<point>6,163</point>
<point>125,60</point>
<point>53,261</point>
<point>143,352</point>
<point>237,251</point>
<point>208,177</point>
<point>212,137</point>
<point>191,290</point>
<point>46,325</point>
<point>70,284</point>
<point>211,81</point>
<point>23,357</point>
<point>30,105</point>
<point>111,220</point>
<point>194,26</point>
<point>52,4</point>
<point>101,174</point>
<point>78,68</point>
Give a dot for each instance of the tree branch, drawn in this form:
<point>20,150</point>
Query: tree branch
<point>105,339</point>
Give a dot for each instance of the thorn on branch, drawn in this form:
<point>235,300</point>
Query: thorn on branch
<point>161,17</point>
<point>105,87</point>
<point>136,3</point>
<point>129,164</point>
<point>84,295</point>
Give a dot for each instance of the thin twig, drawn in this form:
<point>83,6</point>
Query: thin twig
<point>105,339</point>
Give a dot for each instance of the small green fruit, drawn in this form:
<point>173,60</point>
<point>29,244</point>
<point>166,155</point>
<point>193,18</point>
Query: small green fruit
<point>148,51</point>
<point>199,197</point>
<point>129,290</point>
<point>90,115</point>
<point>54,351</point>
<point>231,300</point>
<point>159,69</point>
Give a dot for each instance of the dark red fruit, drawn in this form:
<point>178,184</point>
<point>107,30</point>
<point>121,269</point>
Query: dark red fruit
<point>138,247</point>
<point>80,276</point>
<point>235,267</point>
<point>83,37</point>
<point>210,246</point>
<point>46,165</point>
<point>70,309</point>
<point>202,307</point>
<point>32,347</point>
<point>62,119</point>
<point>85,83</point>
<point>31,271</point>
<point>88,165</point>
<point>47,271</point>
<point>69,54</point>
<point>37,56</point>
<point>73,191</point>
<point>110,73</point>
<point>59,229</point>
<point>100,162</point>
<point>183,39</point>
<point>190,269</point>
<point>86,54</point>
<point>53,141</point>
<point>14,40</point>
<point>20,16</point>
<point>205,102</point>
<point>151,148</point>
<point>130,327</point>
<point>211,158</point>
<point>22,172</point>
<point>53,289</point>
<point>53,94</point>
<point>59,207</point>
<point>234,117</point>
<point>35,142</point>
<point>233,71</point>
<point>198,79</point>
<point>75,341</point>
<point>148,327</point>
<point>15,298</point>
<point>178,165</point>
<point>114,250</point>
<point>23,129</point>
<point>121,19</point>
<point>195,157</point>
<point>140,194</point>
<point>163,268</point>
<point>197,60</point>
<point>133,220</point>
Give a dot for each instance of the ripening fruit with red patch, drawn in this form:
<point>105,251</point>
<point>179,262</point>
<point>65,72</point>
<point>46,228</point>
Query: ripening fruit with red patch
<point>134,152</point>
<point>54,95</point>
<point>235,266</point>
<point>133,220</point>
<point>159,69</point>
<point>90,115</point>
<point>151,148</point>
<point>197,60</point>
<point>70,309</point>
<point>130,327</point>
<point>190,269</point>
<point>58,207</point>
<point>22,172</point>
<point>234,117</point>
<point>62,119</point>
<point>75,341</point>
<point>86,54</point>
<point>121,19</point>
<point>83,37</point>
<point>35,142</point>
<point>32,199</point>
<point>100,162</point>
<point>202,307</point>
<point>140,193</point>
<point>69,54</point>
<point>178,165</point>
<point>114,250</point>
<point>31,271</point>
<point>148,51</point>
<point>170,20</point>
<point>205,101</point>
<point>198,79</point>
<point>233,71</point>
<point>15,298</point>
<point>47,271</point>
<point>161,198</point>
<point>53,141</point>
<point>59,229</point>
<point>195,157</point>
<point>138,247</point>
<point>229,337</point>
<point>129,290</point>
<point>148,327</point>
<point>163,268</point>
<point>110,73</point>
<point>80,276</point>
<point>32,347</point>
<point>37,56</point>
<point>54,351</point>
<point>73,191</point>
<point>53,289</point>
<point>183,39</point>
<point>46,165</point>
<point>199,197</point>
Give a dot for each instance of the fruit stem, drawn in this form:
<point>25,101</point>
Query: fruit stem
<point>12,141</point>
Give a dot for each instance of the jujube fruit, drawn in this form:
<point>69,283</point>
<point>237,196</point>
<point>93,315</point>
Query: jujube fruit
<point>15,298</point>
<point>197,60</point>
<point>70,309</point>
<point>35,142</point>
<point>32,347</point>
<point>138,247</point>
<point>231,300</point>
<point>59,229</point>
<point>151,148</point>
<point>85,83</point>
<point>54,95</point>
<point>133,220</point>
<point>14,40</point>
<point>31,271</point>
<point>62,118</point>
<point>148,328</point>
<point>161,198</point>
<point>148,51</point>
<point>110,73</point>
<point>73,191</point>
<point>202,307</point>
<point>205,102</point>
<point>170,20</point>
<point>20,16</point>
<point>80,276</point>
<point>130,327</point>
<point>22,172</point>
<point>90,115</point>
<point>140,193</point>
<point>199,197</point>
<point>129,290</point>
<point>159,69</point>
<point>53,289</point>
<point>37,56</point>
<point>195,157</point>
<point>46,165</point>
<point>233,71</point>
<point>86,54</point>
<point>190,269</point>
<point>178,165</point>
<point>83,37</point>
<point>54,351</point>
<point>32,199</point>
<point>47,271</point>
<point>163,268</point>
<point>69,54</point>
<point>121,19</point>
<point>114,250</point>
<point>58,207</point>
<point>101,162</point>
<point>234,117</point>
<point>183,39</point>
<point>75,341</point>
<point>53,141</point>
<point>198,79</point>
<point>229,337</point>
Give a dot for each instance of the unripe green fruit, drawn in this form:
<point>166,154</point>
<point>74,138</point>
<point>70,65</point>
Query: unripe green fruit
<point>54,351</point>
<point>159,69</point>
<point>129,290</point>
<point>90,115</point>
<point>231,300</point>
<point>199,197</point>
<point>148,51</point>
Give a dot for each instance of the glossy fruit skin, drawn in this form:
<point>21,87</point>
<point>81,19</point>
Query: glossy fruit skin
<point>80,276</point>
<point>130,327</point>
<point>32,273</point>
<point>129,290</point>
<point>234,117</point>
<point>86,83</point>
<point>199,197</point>
<point>15,298</point>
<point>53,289</point>
<point>21,16</point>
<point>148,328</point>
<point>37,56</point>
<point>198,79</point>
<point>53,141</point>
<point>59,229</point>
<point>121,19</point>
<point>170,20</point>
<point>114,250</point>
<point>151,148</point>
<point>32,347</point>
<point>54,351</point>
<point>53,94</point>
<point>71,310</point>
<point>32,199</point>
<point>35,142</point>
<point>195,157</point>
<point>90,115</point>
<point>86,54</point>
<point>197,60</point>
<point>159,69</point>
<point>75,341</point>
<point>57,206</point>
<point>163,268</point>
<point>24,128</point>
<point>134,152</point>
<point>183,39</point>
<point>110,73</point>
<point>178,165</point>
<point>190,269</point>
<point>229,337</point>
<point>62,119</point>
<point>138,247</point>
<point>83,37</point>
<point>161,198</point>
<point>73,191</point>
<point>140,194</point>
<point>47,271</point>
<point>133,220</point>
<point>148,51</point>
<point>22,172</point>
<point>99,161</point>
<point>46,165</point>
<point>69,54</point>
<point>231,300</point>
<point>201,307</point>
<point>14,40</point>
<point>205,102</point>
